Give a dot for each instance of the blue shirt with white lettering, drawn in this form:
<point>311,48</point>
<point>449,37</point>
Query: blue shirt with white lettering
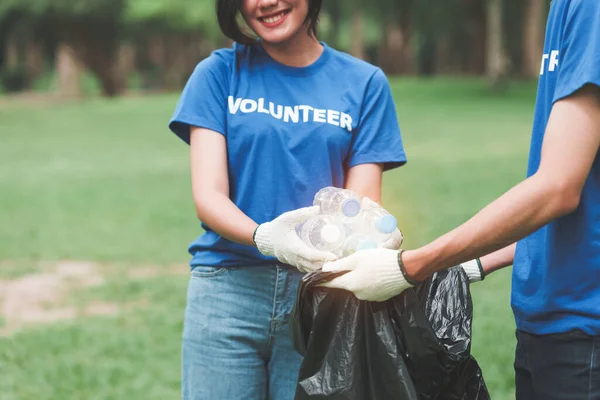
<point>289,132</point>
<point>556,274</point>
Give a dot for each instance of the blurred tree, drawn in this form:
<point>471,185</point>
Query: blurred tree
<point>160,41</point>
<point>358,39</point>
<point>69,71</point>
<point>496,61</point>
<point>431,26</point>
<point>533,39</point>
<point>90,27</point>
<point>97,32</point>
<point>173,36</point>
<point>173,15</point>
<point>16,38</point>
<point>395,53</point>
<point>333,14</point>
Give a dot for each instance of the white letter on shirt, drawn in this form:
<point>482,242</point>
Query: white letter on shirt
<point>291,113</point>
<point>279,113</point>
<point>346,122</point>
<point>553,61</point>
<point>233,106</point>
<point>333,117</point>
<point>305,110</point>
<point>319,115</point>
<point>543,64</point>
<point>261,106</point>
<point>248,106</point>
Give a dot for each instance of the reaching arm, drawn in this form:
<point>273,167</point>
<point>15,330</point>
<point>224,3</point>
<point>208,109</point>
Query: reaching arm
<point>570,146</point>
<point>498,259</point>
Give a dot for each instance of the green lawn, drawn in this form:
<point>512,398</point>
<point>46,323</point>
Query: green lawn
<point>105,181</point>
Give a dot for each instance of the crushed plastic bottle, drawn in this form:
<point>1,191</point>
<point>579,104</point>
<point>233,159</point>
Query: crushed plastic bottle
<point>356,242</point>
<point>376,223</point>
<point>344,226</point>
<point>322,232</point>
<point>336,201</point>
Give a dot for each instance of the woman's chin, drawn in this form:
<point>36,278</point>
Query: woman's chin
<point>275,39</point>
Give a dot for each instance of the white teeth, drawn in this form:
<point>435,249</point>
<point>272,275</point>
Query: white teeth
<point>274,18</point>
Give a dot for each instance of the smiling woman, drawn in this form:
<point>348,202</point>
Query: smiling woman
<point>269,122</point>
<point>276,22</point>
<point>263,16</point>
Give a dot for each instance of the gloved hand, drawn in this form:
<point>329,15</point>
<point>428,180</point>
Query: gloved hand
<point>375,275</point>
<point>396,240</point>
<point>278,238</point>
<point>379,275</point>
<point>474,270</point>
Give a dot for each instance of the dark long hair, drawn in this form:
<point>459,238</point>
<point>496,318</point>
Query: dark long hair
<point>227,12</point>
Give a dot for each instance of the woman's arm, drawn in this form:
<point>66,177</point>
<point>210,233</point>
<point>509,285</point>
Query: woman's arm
<point>365,180</point>
<point>210,188</point>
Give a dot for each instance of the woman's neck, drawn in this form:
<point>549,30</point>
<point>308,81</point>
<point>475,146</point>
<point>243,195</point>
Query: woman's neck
<point>299,51</point>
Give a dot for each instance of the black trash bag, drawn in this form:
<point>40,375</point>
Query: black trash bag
<point>415,346</point>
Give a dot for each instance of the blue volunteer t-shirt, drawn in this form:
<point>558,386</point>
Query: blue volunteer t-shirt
<point>289,131</point>
<point>556,274</point>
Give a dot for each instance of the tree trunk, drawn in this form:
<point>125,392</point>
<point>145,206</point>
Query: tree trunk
<point>473,55</point>
<point>358,40</point>
<point>177,53</point>
<point>495,62</point>
<point>34,59</point>
<point>96,43</point>
<point>443,62</point>
<point>11,55</point>
<point>533,38</point>
<point>68,70</point>
<point>335,15</point>
<point>395,53</point>
<point>125,65</point>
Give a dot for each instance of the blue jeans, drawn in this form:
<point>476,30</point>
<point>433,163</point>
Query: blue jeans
<point>236,339</point>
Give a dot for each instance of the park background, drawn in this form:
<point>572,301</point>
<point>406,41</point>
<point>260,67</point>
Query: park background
<point>95,203</point>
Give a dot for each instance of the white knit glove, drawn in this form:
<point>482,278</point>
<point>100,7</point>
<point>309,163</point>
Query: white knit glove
<point>474,270</point>
<point>278,238</point>
<point>396,240</point>
<point>375,275</point>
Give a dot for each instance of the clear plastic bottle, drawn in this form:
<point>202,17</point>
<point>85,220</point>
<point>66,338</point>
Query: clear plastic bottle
<point>322,232</point>
<point>356,242</point>
<point>336,201</point>
<point>376,223</point>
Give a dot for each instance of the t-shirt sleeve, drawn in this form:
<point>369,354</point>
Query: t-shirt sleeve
<point>377,138</point>
<point>203,102</point>
<point>580,51</point>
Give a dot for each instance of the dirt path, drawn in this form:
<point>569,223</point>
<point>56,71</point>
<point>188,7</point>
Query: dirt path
<point>40,297</point>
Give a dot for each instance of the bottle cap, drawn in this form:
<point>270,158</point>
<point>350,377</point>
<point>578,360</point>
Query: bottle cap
<point>386,223</point>
<point>331,233</point>
<point>350,207</point>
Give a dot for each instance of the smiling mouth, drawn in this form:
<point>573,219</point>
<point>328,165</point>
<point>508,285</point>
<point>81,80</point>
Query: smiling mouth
<point>271,19</point>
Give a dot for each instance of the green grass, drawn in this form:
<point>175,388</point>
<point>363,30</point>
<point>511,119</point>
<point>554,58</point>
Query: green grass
<point>105,181</point>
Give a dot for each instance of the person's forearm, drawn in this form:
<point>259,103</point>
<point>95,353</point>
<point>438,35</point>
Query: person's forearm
<point>225,218</point>
<point>498,259</point>
<point>519,212</point>
<point>365,180</point>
